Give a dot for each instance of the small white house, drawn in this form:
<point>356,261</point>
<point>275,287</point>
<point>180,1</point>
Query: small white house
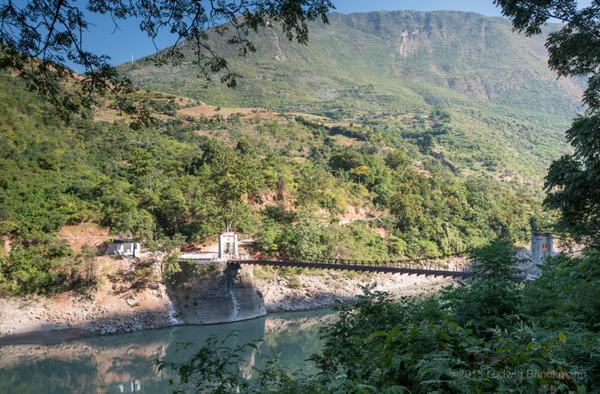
<point>124,247</point>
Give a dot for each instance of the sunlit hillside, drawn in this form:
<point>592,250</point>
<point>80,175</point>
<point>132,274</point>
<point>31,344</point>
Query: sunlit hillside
<point>389,71</point>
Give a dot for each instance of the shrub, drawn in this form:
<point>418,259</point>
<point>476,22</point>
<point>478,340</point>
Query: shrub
<point>294,282</point>
<point>38,269</point>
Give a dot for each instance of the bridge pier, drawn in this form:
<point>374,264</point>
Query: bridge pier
<point>216,293</point>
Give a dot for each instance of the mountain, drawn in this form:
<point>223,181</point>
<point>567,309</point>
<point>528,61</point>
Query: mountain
<point>504,112</point>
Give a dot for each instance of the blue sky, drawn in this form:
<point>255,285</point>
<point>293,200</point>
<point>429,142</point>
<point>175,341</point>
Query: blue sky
<point>485,7</point>
<point>126,42</point>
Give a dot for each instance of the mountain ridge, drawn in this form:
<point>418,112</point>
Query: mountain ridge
<point>397,23</point>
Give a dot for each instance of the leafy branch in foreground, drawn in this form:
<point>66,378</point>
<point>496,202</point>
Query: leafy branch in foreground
<point>41,39</point>
<point>215,367</point>
<point>221,368</point>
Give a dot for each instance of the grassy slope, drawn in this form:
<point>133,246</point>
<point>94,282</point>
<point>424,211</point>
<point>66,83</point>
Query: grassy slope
<point>508,111</point>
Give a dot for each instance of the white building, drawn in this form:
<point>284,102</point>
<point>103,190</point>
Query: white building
<point>124,247</point>
<point>228,245</point>
<point>227,249</point>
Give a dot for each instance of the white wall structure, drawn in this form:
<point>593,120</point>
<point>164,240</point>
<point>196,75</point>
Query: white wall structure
<point>228,248</point>
<point>204,257</point>
<point>124,248</point>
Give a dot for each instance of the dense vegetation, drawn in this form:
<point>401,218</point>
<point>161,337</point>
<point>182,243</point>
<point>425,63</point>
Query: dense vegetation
<point>421,175</point>
<point>421,162</point>
<point>285,180</point>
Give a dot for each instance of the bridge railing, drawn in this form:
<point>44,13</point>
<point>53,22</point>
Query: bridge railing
<point>423,262</point>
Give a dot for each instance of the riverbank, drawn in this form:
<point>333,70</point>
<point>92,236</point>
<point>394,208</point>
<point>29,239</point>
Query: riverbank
<point>120,302</point>
<point>319,291</point>
<point>118,306</point>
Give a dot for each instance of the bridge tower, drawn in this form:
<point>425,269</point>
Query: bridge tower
<point>541,249</point>
<point>228,245</point>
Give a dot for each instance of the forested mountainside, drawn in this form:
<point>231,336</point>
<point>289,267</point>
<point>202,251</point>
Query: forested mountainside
<point>388,71</point>
<point>300,184</point>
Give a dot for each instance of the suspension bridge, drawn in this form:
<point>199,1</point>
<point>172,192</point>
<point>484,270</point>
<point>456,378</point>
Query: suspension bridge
<point>429,266</point>
<point>426,266</point>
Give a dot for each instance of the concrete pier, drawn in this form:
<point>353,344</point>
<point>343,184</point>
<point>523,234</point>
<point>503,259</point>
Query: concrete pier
<point>216,293</point>
<point>541,249</point>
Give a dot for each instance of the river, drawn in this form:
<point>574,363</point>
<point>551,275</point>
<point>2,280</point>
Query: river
<point>125,363</point>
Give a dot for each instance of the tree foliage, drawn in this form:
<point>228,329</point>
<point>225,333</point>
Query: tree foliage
<point>168,185</point>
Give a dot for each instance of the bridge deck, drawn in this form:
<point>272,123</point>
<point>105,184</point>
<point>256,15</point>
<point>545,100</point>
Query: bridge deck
<point>369,266</point>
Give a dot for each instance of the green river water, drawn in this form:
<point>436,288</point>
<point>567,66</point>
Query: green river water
<point>124,363</point>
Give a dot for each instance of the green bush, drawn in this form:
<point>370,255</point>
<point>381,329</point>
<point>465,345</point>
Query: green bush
<point>294,282</point>
<point>44,269</point>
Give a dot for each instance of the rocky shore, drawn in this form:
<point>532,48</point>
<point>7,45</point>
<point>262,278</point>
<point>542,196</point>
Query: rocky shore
<point>115,305</point>
<point>322,291</point>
